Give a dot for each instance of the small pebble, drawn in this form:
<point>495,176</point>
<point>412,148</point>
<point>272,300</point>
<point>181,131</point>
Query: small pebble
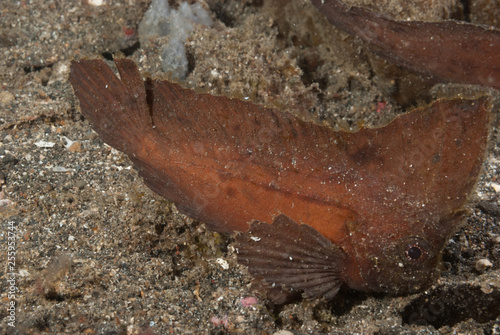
<point>6,97</point>
<point>60,169</point>
<point>80,184</point>
<point>96,3</point>
<point>483,264</point>
<point>223,263</point>
<point>283,332</point>
<point>486,289</point>
<point>495,186</point>
<point>44,144</point>
<point>248,301</point>
<point>75,147</point>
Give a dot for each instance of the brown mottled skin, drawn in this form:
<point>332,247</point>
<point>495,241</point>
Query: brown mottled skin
<point>373,194</point>
<point>447,51</point>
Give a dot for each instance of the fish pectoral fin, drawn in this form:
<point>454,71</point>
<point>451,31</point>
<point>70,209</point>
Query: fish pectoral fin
<point>292,256</point>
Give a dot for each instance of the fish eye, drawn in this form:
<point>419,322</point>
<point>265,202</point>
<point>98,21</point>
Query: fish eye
<point>415,250</point>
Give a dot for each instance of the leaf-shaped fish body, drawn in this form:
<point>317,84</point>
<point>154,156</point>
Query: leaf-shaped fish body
<point>384,199</point>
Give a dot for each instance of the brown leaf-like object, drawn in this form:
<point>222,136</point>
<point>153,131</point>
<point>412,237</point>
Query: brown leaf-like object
<point>447,51</point>
<point>371,209</point>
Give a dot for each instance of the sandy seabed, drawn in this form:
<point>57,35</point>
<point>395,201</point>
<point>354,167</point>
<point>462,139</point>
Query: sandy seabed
<point>97,252</point>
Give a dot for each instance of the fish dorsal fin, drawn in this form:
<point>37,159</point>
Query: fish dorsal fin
<point>117,108</point>
<point>292,255</point>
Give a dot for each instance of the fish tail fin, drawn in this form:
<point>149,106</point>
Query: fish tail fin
<point>116,108</point>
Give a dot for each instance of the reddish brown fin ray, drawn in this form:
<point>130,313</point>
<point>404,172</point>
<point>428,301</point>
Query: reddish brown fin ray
<point>293,256</point>
<point>448,51</point>
<point>116,108</point>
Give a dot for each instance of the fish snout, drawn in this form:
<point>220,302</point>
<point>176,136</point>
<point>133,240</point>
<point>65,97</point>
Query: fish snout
<point>406,266</point>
